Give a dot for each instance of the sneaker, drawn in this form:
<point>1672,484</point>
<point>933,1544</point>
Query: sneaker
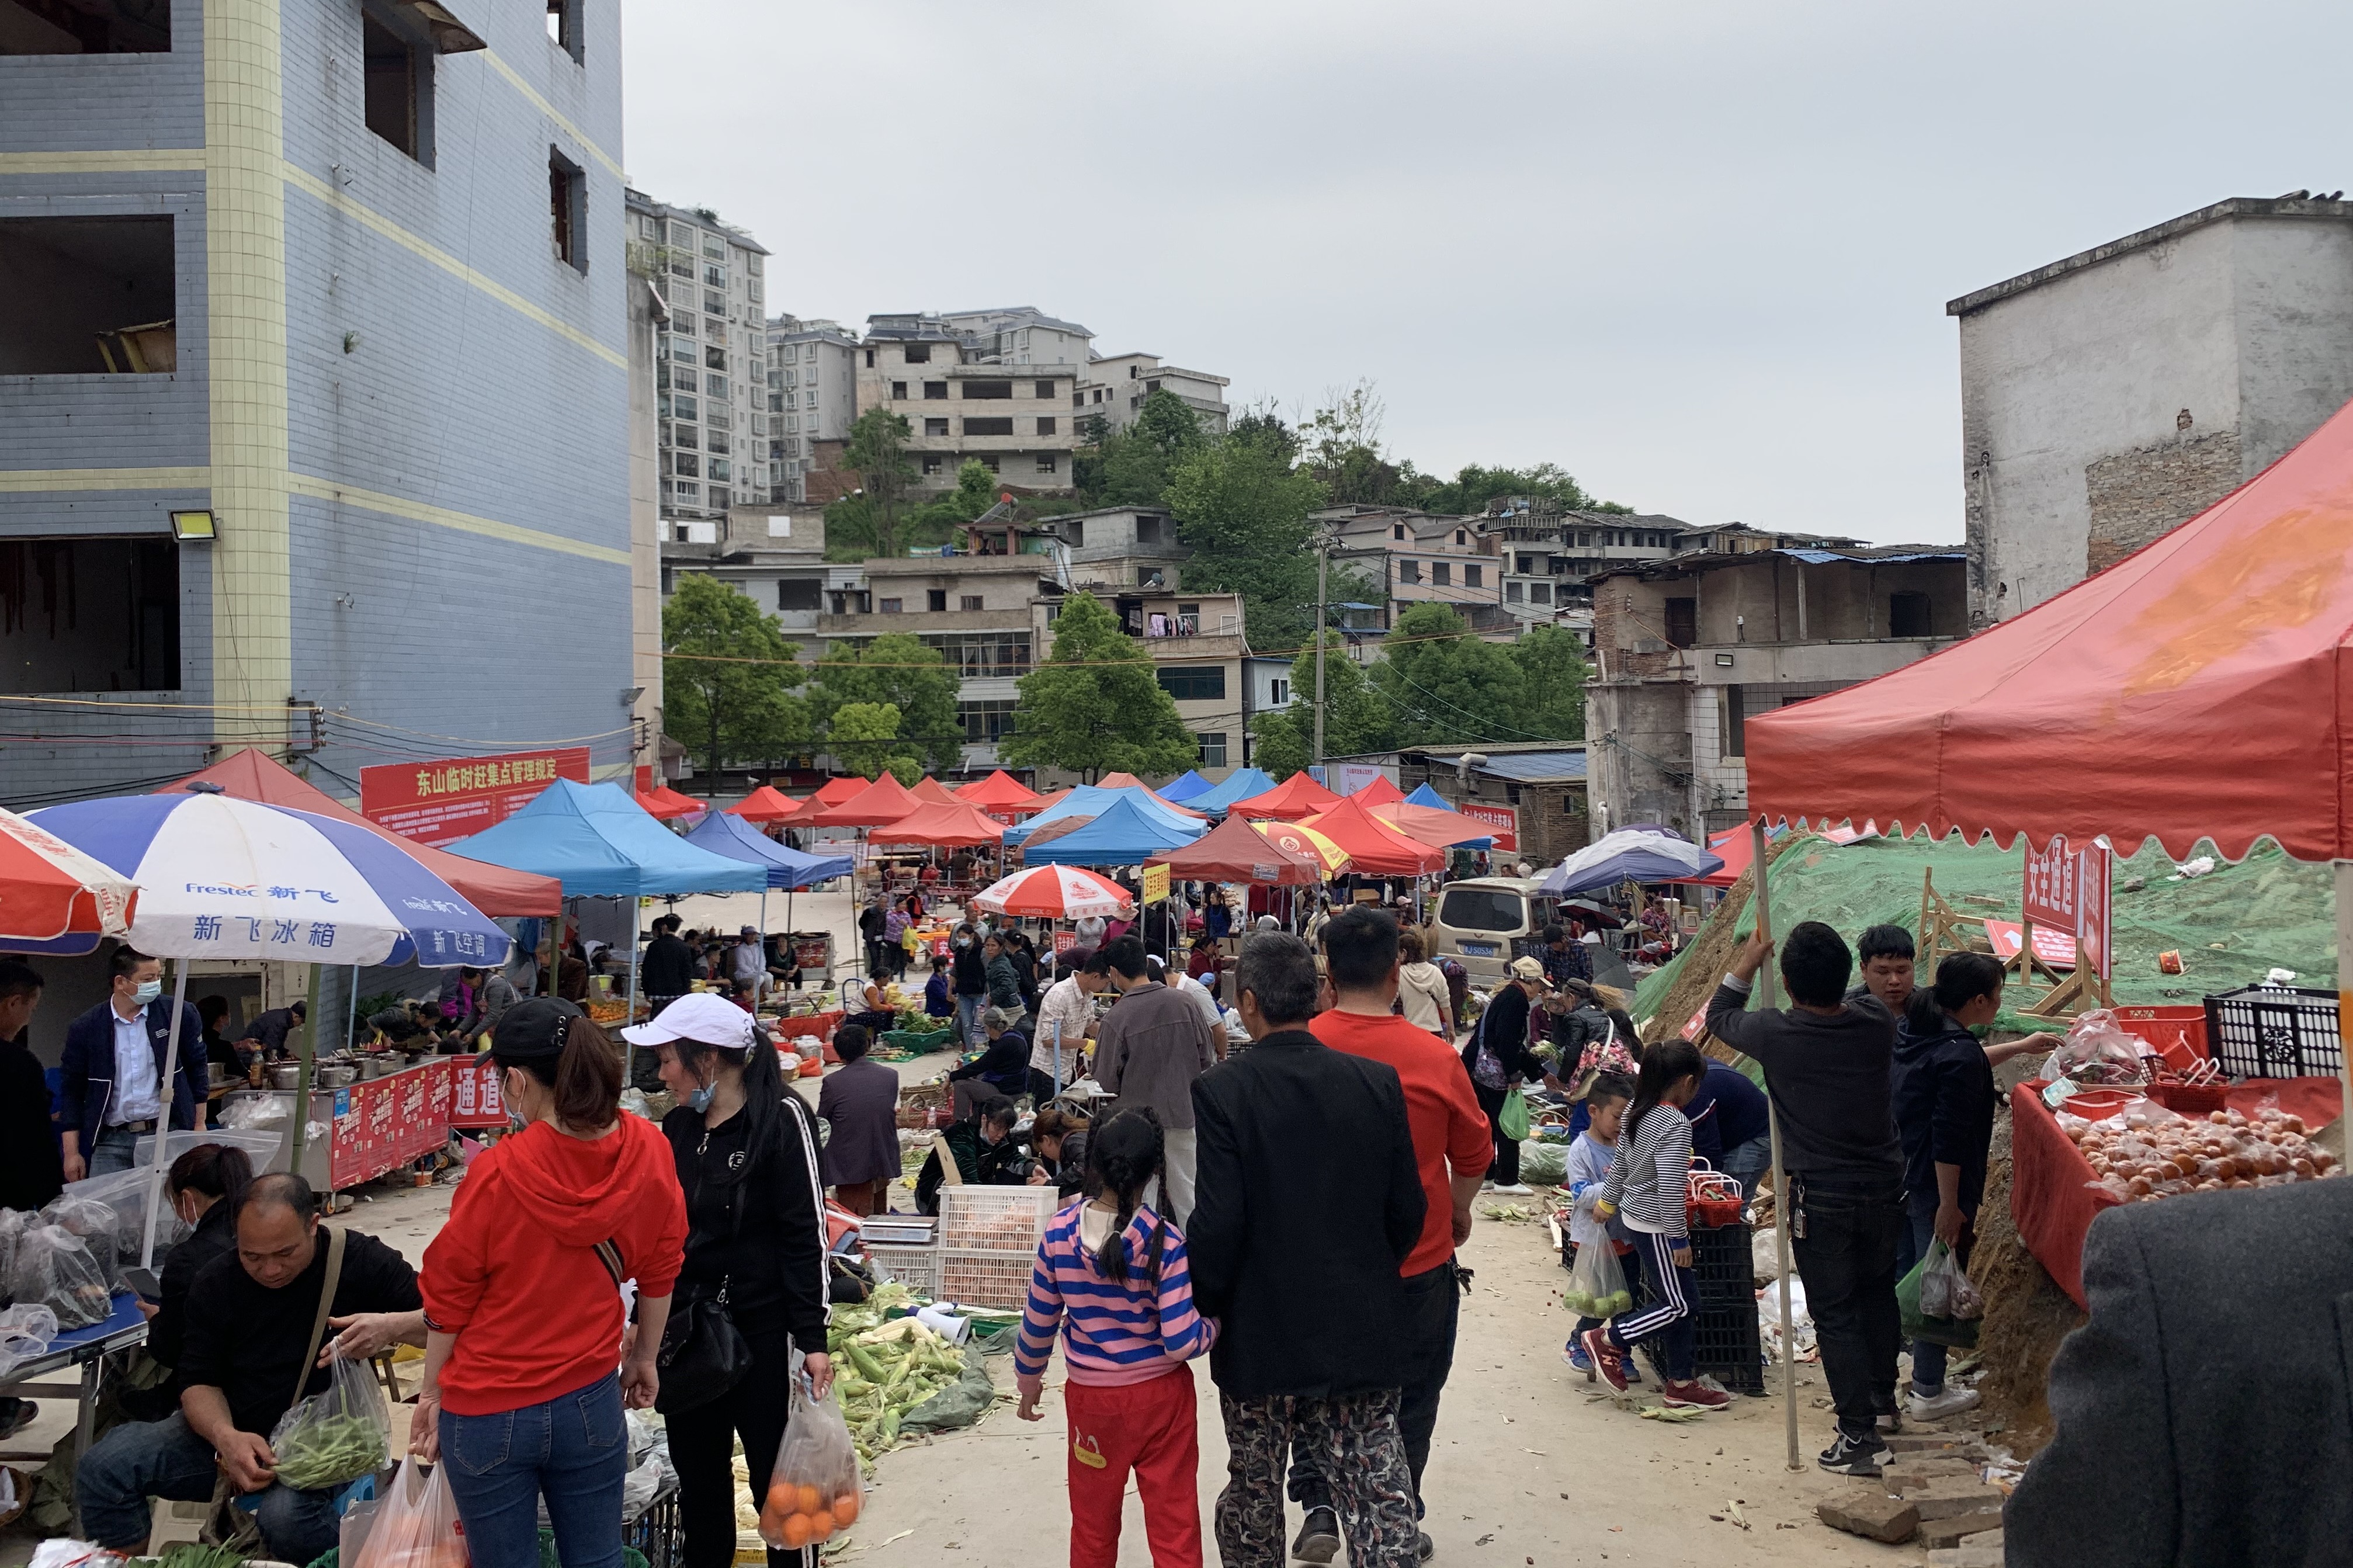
<point>1950,1401</point>
<point>1890,1423</point>
<point>1515,1189</point>
<point>1319,1538</point>
<point>1606,1359</point>
<point>1424,1549</point>
<point>1574,1354</point>
<point>1694,1393</point>
<point>1855,1456</point>
<point>1486,1186</point>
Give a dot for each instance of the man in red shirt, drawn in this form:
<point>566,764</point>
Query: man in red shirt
<point>1452,1148</point>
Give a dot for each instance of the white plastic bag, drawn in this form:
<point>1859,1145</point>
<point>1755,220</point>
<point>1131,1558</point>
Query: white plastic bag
<point>1597,1286</point>
<point>815,1489</point>
<point>416,1523</point>
<point>335,1437</point>
<point>98,1226</point>
<point>54,1268</point>
<point>1946,1290</point>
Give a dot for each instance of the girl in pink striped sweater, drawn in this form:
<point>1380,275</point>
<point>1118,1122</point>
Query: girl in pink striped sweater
<point>1112,1275</point>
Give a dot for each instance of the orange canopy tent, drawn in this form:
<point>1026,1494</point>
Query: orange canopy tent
<point>1432,825</point>
<point>1234,850</point>
<point>882,802</point>
<point>1733,846</point>
<point>1122,782</point>
<point>493,889</point>
<point>1296,796</point>
<point>1000,791</point>
<point>666,804</point>
<point>932,792</point>
<point>1374,848</point>
<point>764,805</point>
<point>957,825</point>
<point>1379,792</point>
<point>828,795</point>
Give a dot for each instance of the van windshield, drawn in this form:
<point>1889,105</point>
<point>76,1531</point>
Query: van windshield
<point>1481,909</point>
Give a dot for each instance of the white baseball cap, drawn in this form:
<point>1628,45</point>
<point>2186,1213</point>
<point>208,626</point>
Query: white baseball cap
<point>704,1016</point>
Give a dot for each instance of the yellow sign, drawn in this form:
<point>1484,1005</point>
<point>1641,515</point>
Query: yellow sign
<point>1155,883</point>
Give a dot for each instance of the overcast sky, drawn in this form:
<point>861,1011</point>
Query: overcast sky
<point>1697,253</point>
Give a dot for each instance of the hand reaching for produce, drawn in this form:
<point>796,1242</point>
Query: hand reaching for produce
<point>363,1334</point>
<point>248,1461</point>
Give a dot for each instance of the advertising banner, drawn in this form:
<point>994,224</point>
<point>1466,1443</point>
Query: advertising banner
<point>441,802</point>
<point>1504,820</point>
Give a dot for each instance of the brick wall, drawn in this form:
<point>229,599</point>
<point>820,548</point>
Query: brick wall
<point>2139,496</point>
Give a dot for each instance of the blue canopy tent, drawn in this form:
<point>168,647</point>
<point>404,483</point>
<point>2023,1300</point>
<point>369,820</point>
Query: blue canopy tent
<point>1423,795</point>
<point>1630,854</point>
<point>1095,800</point>
<point>1238,785</point>
<point>1122,833</point>
<point>600,843</point>
<point>725,833</point>
<point>1185,786</point>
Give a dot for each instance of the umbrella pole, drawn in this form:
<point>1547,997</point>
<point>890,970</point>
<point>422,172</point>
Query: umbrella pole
<point>163,1122</point>
<point>1767,984</point>
<point>636,914</point>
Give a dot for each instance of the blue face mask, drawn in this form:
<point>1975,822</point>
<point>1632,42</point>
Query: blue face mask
<point>148,991</point>
<point>700,1099</point>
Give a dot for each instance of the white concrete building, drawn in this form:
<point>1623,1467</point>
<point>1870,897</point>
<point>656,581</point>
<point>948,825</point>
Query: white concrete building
<point>2111,395</point>
<point>711,382</point>
<point>812,401</point>
<point>1114,388</point>
<point>1001,394</point>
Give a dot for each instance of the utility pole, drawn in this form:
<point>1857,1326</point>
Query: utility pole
<point>1323,567</point>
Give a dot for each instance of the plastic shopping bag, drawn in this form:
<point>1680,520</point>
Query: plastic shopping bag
<point>1961,1333</point>
<point>1944,1288</point>
<point>54,1268</point>
<point>98,1227</point>
<point>1597,1286</point>
<point>1512,1121</point>
<point>815,1489</point>
<point>335,1437</point>
<point>415,1525</point>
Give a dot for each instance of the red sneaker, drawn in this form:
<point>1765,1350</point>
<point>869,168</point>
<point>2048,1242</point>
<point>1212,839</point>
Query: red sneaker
<point>1607,1360</point>
<point>1696,1392</point>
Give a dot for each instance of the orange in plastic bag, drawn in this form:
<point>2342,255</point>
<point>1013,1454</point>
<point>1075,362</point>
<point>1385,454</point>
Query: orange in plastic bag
<point>815,1489</point>
<point>416,1523</point>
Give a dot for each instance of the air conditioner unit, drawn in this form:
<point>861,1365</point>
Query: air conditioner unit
<point>700,533</point>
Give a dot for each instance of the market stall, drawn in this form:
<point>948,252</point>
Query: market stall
<point>1095,800</point>
<point>1122,833</point>
<point>1241,784</point>
<point>763,805</point>
<point>1296,796</point>
<point>1374,848</point>
<point>999,793</point>
<point>1183,786</point>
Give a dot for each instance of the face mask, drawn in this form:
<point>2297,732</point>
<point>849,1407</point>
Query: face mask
<point>148,992</point>
<point>700,1099</point>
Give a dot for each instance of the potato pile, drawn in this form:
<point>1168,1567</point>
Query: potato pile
<point>2144,1156</point>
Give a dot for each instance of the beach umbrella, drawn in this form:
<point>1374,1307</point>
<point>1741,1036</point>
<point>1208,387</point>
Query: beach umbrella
<point>1054,892</point>
<point>1295,837</point>
<point>1629,854</point>
<point>53,898</point>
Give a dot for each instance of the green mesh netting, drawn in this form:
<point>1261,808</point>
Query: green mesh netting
<point>2231,927</point>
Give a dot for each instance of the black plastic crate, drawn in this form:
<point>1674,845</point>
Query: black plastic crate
<point>658,1533</point>
<point>1725,1265</point>
<point>1729,1347</point>
<point>2274,1032</point>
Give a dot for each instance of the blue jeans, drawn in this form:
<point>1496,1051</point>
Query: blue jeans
<point>1919,1231</point>
<point>164,1458</point>
<point>573,1450</point>
<point>110,1152</point>
<point>968,1032</point>
<point>1748,1162</point>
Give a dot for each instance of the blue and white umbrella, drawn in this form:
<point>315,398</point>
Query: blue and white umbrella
<point>221,877</point>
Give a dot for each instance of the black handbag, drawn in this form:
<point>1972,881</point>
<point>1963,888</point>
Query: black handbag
<point>703,1355</point>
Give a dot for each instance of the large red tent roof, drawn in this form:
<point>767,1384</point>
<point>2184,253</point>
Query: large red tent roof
<point>1233,851</point>
<point>830,794</point>
<point>1295,797</point>
<point>493,889</point>
<point>932,792</point>
<point>2199,688</point>
<point>1379,792</point>
<point>765,805</point>
<point>1000,791</point>
<point>956,826</point>
<point>1374,848</point>
<point>1432,825</point>
<point>880,803</point>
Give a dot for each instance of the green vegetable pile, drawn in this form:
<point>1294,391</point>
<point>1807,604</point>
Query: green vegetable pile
<point>883,1368</point>
<point>189,1554</point>
<point>329,1449</point>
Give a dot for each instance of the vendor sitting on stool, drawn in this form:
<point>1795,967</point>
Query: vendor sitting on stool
<point>1002,1069</point>
<point>249,1319</point>
<point>984,1152</point>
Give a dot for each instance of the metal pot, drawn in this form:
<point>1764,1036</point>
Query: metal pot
<point>285,1074</point>
<point>376,1067</point>
<point>337,1077</point>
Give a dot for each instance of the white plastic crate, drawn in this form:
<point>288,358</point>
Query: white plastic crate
<point>916,1267</point>
<point>996,1219</point>
<point>985,1279</point>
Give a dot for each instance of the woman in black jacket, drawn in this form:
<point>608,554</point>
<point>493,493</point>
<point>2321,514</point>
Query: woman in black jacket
<point>1498,1058</point>
<point>971,983</point>
<point>204,1187</point>
<point>1002,1069</point>
<point>747,1158</point>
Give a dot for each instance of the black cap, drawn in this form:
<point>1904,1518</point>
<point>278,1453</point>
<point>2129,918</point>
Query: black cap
<point>534,1031</point>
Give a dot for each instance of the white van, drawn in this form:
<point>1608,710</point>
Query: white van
<point>1481,917</point>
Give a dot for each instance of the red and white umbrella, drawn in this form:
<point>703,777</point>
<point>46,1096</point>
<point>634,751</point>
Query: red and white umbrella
<point>54,898</point>
<point>1053,892</point>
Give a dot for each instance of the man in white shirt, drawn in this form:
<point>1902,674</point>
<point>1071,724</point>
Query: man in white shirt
<point>1067,1013</point>
<point>110,1079</point>
<point>1202,1001</point>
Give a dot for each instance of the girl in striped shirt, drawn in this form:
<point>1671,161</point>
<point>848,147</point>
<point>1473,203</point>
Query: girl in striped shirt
<point>1647,1188</point>
<point>1112,1275</point>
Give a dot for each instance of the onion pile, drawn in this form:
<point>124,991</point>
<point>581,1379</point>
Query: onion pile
<point>2140,1156</point>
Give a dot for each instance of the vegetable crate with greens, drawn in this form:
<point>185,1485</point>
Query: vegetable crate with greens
<point>883,1368</point>
<point>336,1436</point>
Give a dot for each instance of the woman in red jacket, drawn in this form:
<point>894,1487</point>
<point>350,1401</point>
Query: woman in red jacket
<point>523,1299</point>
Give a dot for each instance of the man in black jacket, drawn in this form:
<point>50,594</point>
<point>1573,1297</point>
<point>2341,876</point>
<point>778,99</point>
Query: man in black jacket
<point>30,1171</point>
<point>667,974</point>
<point>1308,1203</point>
<point>2216,1358</point>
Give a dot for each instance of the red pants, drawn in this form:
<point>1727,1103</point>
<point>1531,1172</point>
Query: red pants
<point>1147,1427</point>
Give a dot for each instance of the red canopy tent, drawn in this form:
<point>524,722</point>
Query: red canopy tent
<point>932,792</point>
<point>1233,851</point>
<point>666,804</point>
<point>1379,792</point>
<point>1296,796</point>
<point>832,792</point>
<point>953,826</point>
<point>493,889</point>
<point>766,805</point>
<point>1122,782</point>
<point>1733,847</point>
<point>1374,848</point>
<point>1000,791</point>
<point>1432,825</point>
<point>884,802</point>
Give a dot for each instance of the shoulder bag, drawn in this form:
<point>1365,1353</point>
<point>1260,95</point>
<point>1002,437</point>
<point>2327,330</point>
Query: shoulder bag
<point>704,1353</point>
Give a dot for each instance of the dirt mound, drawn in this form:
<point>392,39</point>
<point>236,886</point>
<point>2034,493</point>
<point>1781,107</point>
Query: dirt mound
<point>1702,964</point>
<point>2026,1314</point>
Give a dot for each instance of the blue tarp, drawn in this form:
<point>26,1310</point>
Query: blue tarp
<point>1185,788</point>
<point>725,833</point>
<point>1630,854</point>
<point>600,843</point>
<point>1122,833</point>
<point>1094,799</point>
<point>1423,795</point>
<point>1239,785</point>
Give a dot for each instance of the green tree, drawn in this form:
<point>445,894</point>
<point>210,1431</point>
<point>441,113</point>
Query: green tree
<point>1357,716</point>
<point>1130,467</point>
<point>1095,704</point>
<point>1242,508</point>
<point>1444,685</point>
<point>727,674</point>
<point>864,737</point>
<point>1553,672</point>
<point>877,452</point>
<point>897,670</point>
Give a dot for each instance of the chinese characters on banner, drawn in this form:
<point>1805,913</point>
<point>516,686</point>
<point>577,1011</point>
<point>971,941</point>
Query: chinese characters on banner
<point>1155,883</point>
<point>2068,890</point>
<point>441,802</point>
<point>1504,820</point>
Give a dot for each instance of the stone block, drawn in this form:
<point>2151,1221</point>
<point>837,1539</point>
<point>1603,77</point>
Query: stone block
<point>1958,1528</point>
<point>1913,1471</point>
<point>1872,1514</point>
<point>1968,1554</point>
<point>1922,1443</point>
<point>1949,1499</point>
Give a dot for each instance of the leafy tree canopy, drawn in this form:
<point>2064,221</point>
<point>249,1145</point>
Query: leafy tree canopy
<point>1243,510</point>
<point>1446,685</point>
<point>1357,716</point>
<point>727,676</point>
<point>1094,705</point>
<point>1554,671</point>
<point>898,670</point>
<point>863,736</point>
<point>877,452</point>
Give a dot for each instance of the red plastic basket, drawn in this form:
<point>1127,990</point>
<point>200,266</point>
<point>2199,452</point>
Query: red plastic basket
<point>2178,1033</point>
<point>2191,1099</point>
<point>1711,1198</point>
